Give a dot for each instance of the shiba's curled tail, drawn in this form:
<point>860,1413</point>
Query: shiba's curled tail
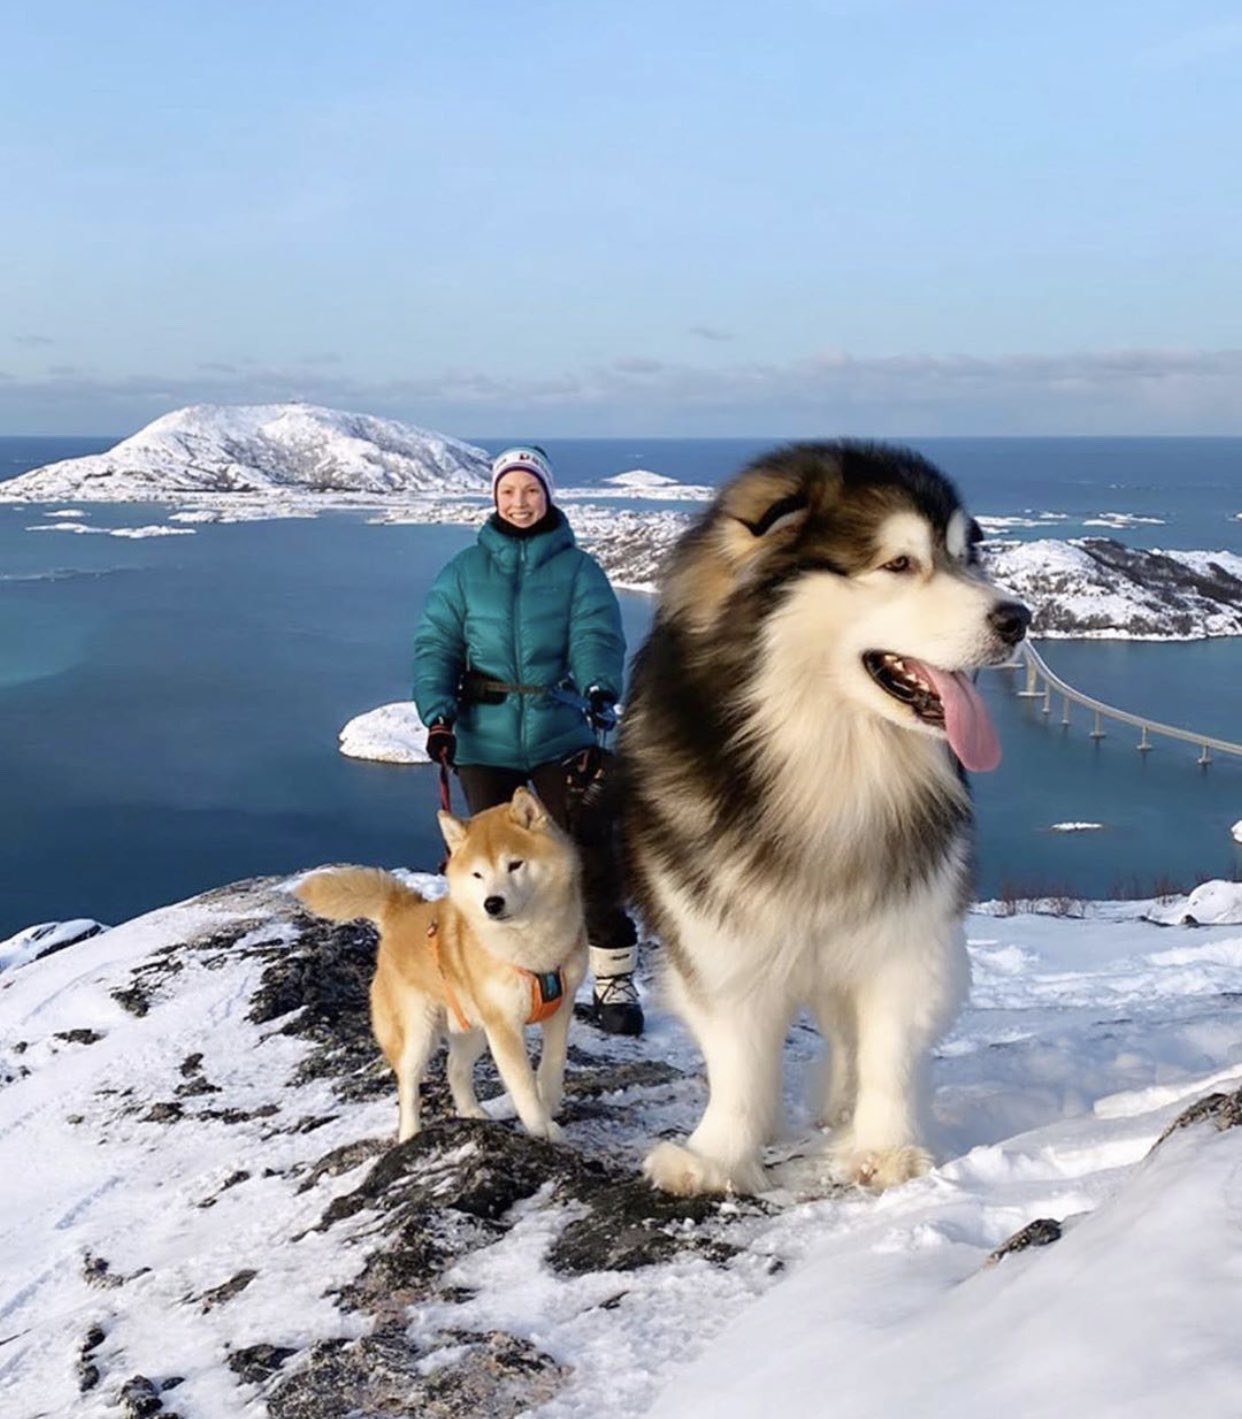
<point>351,893</point>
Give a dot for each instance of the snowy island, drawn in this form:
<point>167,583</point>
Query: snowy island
<point>205,1213</point>
<point>214,463</point>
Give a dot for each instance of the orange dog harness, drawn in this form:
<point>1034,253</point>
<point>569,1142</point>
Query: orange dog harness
<point>547,988</point>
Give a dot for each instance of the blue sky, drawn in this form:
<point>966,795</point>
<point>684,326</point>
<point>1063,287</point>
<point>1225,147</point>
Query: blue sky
<point>563,217</point>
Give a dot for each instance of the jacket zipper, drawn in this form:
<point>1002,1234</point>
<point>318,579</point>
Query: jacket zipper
<point>523,728</point>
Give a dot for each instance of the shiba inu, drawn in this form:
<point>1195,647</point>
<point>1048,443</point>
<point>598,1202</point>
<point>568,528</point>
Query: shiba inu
<point>505,947</point>
<point>797,822</point>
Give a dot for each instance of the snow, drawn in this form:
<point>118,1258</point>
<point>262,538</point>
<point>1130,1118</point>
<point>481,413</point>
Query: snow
<point>1236,831</point>
<point>390,734</point>
<point>151,530</point>
<point>1085,1036</point>
<point>1076,827</point>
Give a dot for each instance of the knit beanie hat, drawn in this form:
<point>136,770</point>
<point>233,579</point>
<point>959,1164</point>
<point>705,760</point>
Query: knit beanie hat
<point>529,458</point>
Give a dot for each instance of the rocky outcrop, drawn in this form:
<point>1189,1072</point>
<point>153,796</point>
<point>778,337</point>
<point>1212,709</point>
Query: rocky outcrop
<point>1099,587</point>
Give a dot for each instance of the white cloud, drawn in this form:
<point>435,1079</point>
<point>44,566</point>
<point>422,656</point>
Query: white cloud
<point>1107,391</point>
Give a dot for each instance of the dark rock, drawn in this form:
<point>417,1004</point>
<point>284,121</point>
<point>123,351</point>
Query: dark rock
<point>192,1064</point>
<point>98,1272</point>
<point>1042,1232</point>
<point>1222,1110</point>
<point>343,1160</point>
<point>256,1363</point>
<point>594,1076</point>
<point>88,1373</point>
<point>239,1115</point>
<point>166,1111</point>
<point>225,1292</point>
<point>323,980</point>
<point>491,1376</point>
<point>79,1037</point>
<point>133,998</point>
<point>140,1399</point>
<point>192,1088</point>
<point>632,1225</point>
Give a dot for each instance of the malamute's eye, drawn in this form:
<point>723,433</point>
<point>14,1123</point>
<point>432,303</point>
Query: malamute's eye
<point>515,864</point>
<point>900,565</point>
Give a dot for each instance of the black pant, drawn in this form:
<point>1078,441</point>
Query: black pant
<point>592,826</point>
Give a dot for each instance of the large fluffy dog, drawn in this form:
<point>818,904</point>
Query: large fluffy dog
<point>797,823</point>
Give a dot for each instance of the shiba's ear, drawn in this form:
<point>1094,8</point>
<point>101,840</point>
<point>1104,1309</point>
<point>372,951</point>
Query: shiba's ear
<point>527,811</point>
<point>454,830</point>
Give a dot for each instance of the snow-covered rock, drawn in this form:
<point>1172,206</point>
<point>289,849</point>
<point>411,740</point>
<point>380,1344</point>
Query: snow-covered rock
<point>34,942</point>
<point>641,483</point>
<point>248,449</point>
<point>1096,587</point>
<point>136,533</point>
<point>391,734</point>
<point>1236,831</point>
<point>1214,903</point>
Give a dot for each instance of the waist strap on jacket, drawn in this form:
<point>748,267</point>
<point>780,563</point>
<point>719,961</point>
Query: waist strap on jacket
<point>547,988</point>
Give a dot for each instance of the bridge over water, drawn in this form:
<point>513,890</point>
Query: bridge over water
<point>1041,683</point>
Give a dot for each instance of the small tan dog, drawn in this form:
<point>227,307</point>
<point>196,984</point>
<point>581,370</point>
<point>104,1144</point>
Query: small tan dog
<point>505,948</point>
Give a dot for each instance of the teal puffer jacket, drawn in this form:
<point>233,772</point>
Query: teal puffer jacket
<point>527,611</point>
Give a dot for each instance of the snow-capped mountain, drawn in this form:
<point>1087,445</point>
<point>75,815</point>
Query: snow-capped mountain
<point>1096,587</point>
<point>261,448</point>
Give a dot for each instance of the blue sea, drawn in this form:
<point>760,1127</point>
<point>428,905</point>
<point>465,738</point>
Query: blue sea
<point>169,708</point>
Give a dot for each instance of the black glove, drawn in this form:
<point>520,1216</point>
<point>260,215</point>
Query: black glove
<point>602,709</point>
<point>441,743</point>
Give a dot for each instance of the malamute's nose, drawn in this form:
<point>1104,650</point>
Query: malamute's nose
<point>493,906</point>
<point>1009,619</point>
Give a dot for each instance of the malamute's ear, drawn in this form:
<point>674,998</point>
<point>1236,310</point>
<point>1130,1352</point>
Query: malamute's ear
<point>527,811</point>
<point>454,830</point>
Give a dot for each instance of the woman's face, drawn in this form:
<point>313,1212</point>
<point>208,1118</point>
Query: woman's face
<point>520,498</point>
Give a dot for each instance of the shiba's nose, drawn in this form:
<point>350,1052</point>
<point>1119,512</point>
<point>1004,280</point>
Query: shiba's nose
<point>493,906</point>
<point>1009,619</point>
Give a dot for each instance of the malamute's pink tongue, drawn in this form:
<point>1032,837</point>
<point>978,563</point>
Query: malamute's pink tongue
<point>966,720</point>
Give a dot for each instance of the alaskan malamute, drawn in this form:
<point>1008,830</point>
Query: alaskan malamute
<point>797,823</point>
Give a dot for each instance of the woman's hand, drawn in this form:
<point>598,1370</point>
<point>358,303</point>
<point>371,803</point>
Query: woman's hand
<point>441,743</point>
<point>602,709</point>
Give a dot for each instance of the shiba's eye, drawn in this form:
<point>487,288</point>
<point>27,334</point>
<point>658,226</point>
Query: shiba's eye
<point>479,875</point>
<point>899,565</point>
<point>515,864</point>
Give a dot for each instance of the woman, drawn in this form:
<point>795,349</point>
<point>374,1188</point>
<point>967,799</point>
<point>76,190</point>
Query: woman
<point>518,664</point>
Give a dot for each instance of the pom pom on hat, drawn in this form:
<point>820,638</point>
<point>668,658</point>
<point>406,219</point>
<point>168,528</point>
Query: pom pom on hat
<point>528,458</point>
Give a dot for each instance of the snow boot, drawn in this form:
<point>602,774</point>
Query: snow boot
<point>615,1007</point>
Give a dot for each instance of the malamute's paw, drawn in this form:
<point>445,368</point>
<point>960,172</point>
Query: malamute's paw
<point>674,1168</point>
<point>475,1110</point>
<point>880,1168</point>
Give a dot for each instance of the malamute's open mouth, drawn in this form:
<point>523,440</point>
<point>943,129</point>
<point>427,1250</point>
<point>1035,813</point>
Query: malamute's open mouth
<point>942,699</point>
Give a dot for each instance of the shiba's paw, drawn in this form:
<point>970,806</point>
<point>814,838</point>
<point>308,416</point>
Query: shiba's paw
<point>475,1110</point>
<point>548,1129</point>
<point>880,1168</point>
<point>674,1168</point>
<point>551,1098</point>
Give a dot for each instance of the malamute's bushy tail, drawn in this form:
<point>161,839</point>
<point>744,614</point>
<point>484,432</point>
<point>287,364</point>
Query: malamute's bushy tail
<point>353,893</point>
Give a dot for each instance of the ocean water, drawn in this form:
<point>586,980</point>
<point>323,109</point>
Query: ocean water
<point>169,708</point>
